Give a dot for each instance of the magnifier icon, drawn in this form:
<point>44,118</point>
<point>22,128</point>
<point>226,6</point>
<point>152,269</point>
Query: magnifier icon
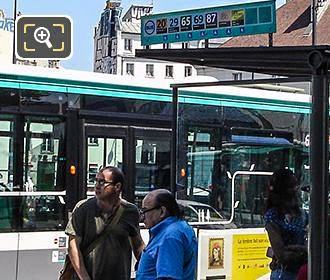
<point>41,35</point>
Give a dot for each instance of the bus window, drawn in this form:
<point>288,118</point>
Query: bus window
<point>6,174</point>
<point>152,163</point>
<point>102,152</point>
<point>43,170</point>
<point>6,155</point>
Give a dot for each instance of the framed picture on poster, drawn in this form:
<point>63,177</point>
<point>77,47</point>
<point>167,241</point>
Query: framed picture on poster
<point>216,253</point>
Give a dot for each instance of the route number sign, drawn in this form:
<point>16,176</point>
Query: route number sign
<point>208,23</point>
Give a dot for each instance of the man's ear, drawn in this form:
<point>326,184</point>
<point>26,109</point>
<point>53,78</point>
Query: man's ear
<point>118,186</point>
<point>164,212</point>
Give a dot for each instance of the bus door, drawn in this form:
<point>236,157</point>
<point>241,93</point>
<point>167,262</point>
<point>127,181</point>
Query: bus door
<point>151,150</point>
<point>104,146</point>
<point>142,153</point>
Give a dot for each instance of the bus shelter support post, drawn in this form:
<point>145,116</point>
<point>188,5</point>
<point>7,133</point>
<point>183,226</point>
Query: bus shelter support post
<point>318,231</point>
<point>174,138</point>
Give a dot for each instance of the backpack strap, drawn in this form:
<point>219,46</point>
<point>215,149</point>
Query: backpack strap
<point>101,237</point>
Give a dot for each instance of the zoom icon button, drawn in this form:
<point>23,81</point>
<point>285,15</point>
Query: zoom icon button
<point>43,37</point>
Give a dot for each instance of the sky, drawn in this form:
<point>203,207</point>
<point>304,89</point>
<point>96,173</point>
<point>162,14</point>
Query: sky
<point>86,15</point>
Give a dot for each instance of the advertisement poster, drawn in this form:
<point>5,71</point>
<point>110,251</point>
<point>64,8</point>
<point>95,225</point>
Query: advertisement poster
<point>216,253</point>
<point>249,256</point>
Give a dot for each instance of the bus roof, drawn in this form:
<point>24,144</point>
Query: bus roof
<point>90,80</point>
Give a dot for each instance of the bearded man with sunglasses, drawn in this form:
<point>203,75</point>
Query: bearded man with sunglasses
<point>172,248</point>
<point>111,258</point>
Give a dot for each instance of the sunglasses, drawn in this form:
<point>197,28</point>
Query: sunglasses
<point>102,182</point>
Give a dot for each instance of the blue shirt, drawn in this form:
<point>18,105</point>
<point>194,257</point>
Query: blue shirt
<point>293,229</point>
<point>170,253</point>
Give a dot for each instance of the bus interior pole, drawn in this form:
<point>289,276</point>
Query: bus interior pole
<point>174,138</point>
<point>318,230</point>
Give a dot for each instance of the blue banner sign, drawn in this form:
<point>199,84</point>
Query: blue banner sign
<point>7,24</point>
<point>209,23</point>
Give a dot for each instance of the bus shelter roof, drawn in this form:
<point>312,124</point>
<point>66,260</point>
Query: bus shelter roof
<point>291,61</point>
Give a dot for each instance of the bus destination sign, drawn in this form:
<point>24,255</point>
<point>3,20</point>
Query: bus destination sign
<point>209,23</point>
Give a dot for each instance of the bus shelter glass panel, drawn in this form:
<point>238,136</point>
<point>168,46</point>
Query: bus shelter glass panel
<point>208,188</point>
<point>250,198</point>
<point>43,171</point>
<point>152,165</point>
<point>102,152</point>
<point>216,142</point>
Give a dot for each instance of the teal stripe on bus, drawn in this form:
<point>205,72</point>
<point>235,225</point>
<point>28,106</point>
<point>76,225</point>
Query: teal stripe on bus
<point>5,84</point>
<point>42,87</point>
<point>78,84</point>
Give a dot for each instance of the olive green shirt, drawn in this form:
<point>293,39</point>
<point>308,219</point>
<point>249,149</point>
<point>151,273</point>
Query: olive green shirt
<point>111,259</point>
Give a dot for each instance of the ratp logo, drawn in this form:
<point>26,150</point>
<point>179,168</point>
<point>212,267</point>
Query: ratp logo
<point>43,37</point>
<point>149,27</point>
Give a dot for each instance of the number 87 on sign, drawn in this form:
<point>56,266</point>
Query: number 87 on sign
<point>211,20</point>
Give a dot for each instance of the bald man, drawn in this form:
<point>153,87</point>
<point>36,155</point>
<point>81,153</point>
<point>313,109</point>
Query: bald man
<point>172,249</point>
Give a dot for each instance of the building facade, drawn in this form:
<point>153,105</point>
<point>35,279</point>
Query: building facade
<point>6,38</point>
<point>116,38</point>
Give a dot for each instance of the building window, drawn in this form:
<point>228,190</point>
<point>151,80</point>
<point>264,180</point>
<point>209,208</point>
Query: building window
<point>187,71</point>
<point>130,69</point>
<point>128,44</point>
<point>237,76</point>
<point>150,70</point>
<point>169,71</point>
<point>93,141</point>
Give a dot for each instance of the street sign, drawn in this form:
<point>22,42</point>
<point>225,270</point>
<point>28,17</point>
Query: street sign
<point>209,23</point>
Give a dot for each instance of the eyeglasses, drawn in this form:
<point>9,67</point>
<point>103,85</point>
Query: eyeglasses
<point>143,211</point>
<point>102,182</point>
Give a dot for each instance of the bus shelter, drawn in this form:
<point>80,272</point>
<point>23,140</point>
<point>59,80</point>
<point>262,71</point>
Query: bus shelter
<point>294,64</point>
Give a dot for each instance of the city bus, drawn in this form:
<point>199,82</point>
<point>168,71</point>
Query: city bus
<point>59,127</point>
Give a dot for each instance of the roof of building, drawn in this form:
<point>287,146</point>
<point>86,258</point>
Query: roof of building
<point>293,27</point>
<point>131,27</point>
<point>133,11</point>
